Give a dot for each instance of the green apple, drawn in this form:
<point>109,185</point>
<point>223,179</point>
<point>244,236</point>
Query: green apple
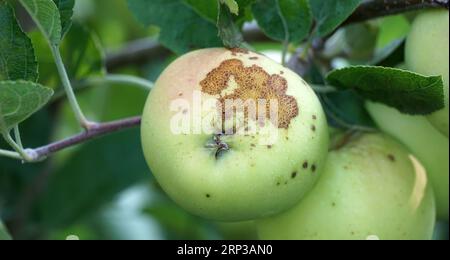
<point>371,188</point>
<point>233,168</point>
<point>427,53</point>
<point>425,142</point>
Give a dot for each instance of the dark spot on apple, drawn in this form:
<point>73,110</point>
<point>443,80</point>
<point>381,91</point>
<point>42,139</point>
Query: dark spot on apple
<point>285,183</point>
<point>314,117</point>
<point>287,138</point>
<point>352,233</point>
<point>305,165</point>
<point>391,157</point>
<point>253,58</point>
<point>180,94</point>
<point>333,204</point>
<point>269,146</point>
<point>253,145</point>
<point>313,168</point>
<point>293,175</point>
<point>278,183</point>
<point>208,196</point>
<point>313,128</point>
<point>281,72</point>
<point>185,111</point>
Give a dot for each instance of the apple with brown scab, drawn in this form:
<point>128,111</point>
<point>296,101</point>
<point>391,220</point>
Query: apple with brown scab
<point>231,135</point>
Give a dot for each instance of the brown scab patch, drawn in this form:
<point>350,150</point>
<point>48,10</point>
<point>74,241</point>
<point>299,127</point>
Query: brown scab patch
<point>305,165</point>
<point>314,117</point>
<point>391,157</point>
<point>180,94</point>
<point>281,72</point>
<point>236,51</point>
<point>313,128</point>
<point>269,146</point>
<point>253,83</point>
<point>253,145</point>
<point>293,175</point>
<point>253,58</point>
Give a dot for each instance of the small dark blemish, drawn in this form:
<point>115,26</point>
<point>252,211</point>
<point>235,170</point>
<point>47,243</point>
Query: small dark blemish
<point>281,72</point>
<point>287,138</point>
<point>333,204</point>
<point>208,196</point>
<point>269,146</point>
<point>293,175</point>
<point>185,111</point>
<point>253,145</point>
<point>253,58</point>
<point>278,183</point>
<point>285,183</point>
<point>305,165</point>
<point>313,168</point>
<point>314,117</point>
<point>391,157</point>
<point>313,128</point>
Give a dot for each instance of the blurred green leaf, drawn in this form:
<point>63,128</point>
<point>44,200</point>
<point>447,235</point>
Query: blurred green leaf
<point>4,233</point>
<point>329,14</point>
<point>17,60</point>
<point>392,28</point>
<point>19,181</point>
<point>283,20</point>
<point>360,41</point>
<point>228,31</point>
<point>92,177</point>
<point>182,29</point>
<point>65,8</point>
<point>409,92</point>
<point>19,100</point>
<point>232,6</point>
<point>177,223</point>
<point>46,16</point>
<point>81,52</point>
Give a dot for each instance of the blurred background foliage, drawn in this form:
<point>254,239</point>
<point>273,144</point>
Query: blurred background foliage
<point>103,189</point>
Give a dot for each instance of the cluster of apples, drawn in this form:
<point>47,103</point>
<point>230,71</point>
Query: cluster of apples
<point>301,185</point>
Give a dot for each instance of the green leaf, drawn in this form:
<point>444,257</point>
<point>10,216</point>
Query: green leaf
<point>346,108</point>
<point>3,233</point>
<point>65,8</point>
<point>409,92</point>
<point>182,28</point>
<point>329,14</point>
<point>46,16</point>
<point>232,6</point>
<point>19,100</point>
<point>17,60</point>
<point>81,53</point>
<point>283,20</point>
<point>92,177</point>
<point>208,9</point>
<point>228,31</point>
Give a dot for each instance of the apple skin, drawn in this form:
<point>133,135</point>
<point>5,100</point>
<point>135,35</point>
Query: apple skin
<point>425,142</point>
<point>249,180</point>
<point>369,188</point>
<point>426,52</point>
